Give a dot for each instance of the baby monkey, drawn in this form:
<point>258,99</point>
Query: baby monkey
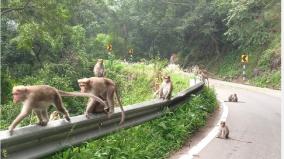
<point>55,115</point>
<point>223,131</point>
<point>99,69</point>
<point>233,98</point>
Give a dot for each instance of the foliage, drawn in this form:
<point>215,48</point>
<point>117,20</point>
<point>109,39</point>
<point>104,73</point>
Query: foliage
<point>34,33</point>
<point>270,79</point>
<point>169,132</point>
<point>133,81</point>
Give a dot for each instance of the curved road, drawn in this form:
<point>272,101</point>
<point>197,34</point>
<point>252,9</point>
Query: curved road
<point>254,123</point>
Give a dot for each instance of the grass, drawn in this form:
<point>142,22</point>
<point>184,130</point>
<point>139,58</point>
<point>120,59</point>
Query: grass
<point>154,139</point>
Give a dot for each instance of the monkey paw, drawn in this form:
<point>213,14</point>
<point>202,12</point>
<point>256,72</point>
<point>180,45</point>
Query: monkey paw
<point>11,131</point>
<point>87,116</point>
<point>106,109</point>
<point>42,123</point>
<point>67,118</point>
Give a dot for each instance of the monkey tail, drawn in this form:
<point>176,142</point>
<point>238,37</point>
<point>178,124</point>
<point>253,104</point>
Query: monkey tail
<point>79,94</point>
<point>121,107</point>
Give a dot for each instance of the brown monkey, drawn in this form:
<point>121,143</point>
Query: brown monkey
<point>203,76</point>
<point>195,70</point>
<point>54,115</point>
<point>232,98</point>
<point>166,88</point>
<point>38,98</point>
<point>98,108</point>
<point>223,131</point>
<point>99,69</point>
<point>104,88</point>
<point>173,58</point>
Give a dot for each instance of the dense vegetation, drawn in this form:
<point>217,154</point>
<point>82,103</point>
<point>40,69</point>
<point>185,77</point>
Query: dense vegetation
<point>135,82</point>
<point>169,133</point>
<point>68,35</point>
<point>57,42</point>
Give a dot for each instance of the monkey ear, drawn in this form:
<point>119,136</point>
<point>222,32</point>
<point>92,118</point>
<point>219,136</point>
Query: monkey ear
<point>84,80</point>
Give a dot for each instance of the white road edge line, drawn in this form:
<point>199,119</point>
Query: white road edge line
<point>211,135</point>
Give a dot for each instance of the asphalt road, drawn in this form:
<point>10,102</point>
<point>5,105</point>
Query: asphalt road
<point>254,123</point>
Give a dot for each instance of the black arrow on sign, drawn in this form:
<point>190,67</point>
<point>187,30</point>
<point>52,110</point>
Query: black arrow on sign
<point>244,58</point>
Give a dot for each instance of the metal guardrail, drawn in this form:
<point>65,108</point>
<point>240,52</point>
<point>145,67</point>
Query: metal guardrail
<point>36,141</point>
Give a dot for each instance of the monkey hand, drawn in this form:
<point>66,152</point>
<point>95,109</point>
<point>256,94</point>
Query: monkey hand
<point>11,130</point>
<point>87,115</point>
<point>42,123</point>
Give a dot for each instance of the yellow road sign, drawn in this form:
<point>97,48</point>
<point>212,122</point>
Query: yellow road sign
<point>109,47</point>
<point>244,58</point>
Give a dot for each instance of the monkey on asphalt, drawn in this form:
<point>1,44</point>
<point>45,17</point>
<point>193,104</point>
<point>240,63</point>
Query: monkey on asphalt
<point>223,131</point>
<point>38,98</point>
<point>232,98</point>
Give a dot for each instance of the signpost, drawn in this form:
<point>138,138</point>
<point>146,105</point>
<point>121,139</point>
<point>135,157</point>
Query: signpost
<point>244,60</point>
<point>110,56</point>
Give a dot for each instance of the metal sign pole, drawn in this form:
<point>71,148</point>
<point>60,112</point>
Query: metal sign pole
<point>244,72</point>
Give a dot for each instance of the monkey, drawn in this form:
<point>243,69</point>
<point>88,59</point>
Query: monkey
<point>173,58</point>
<point>275,63</point>
<point>54,115</point>
<point>195,70</point>
<point>104,88</point>
<point>38,98</point>
<point>166,88</point>
<point>223,131</point>
<point>203,76</point>
<point>98,108</point>
<point>232,98</point>
<point>99,69</point>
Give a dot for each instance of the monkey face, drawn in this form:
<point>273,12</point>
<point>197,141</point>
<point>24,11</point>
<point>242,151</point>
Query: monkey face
<point>100,61</point>
<point>55,113</point>
<point>19,94</point>
<point>167,79</point>
<point>84,85</point>
<point>222,123</point>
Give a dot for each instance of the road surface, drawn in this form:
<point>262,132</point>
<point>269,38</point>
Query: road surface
<point>254,123</point>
